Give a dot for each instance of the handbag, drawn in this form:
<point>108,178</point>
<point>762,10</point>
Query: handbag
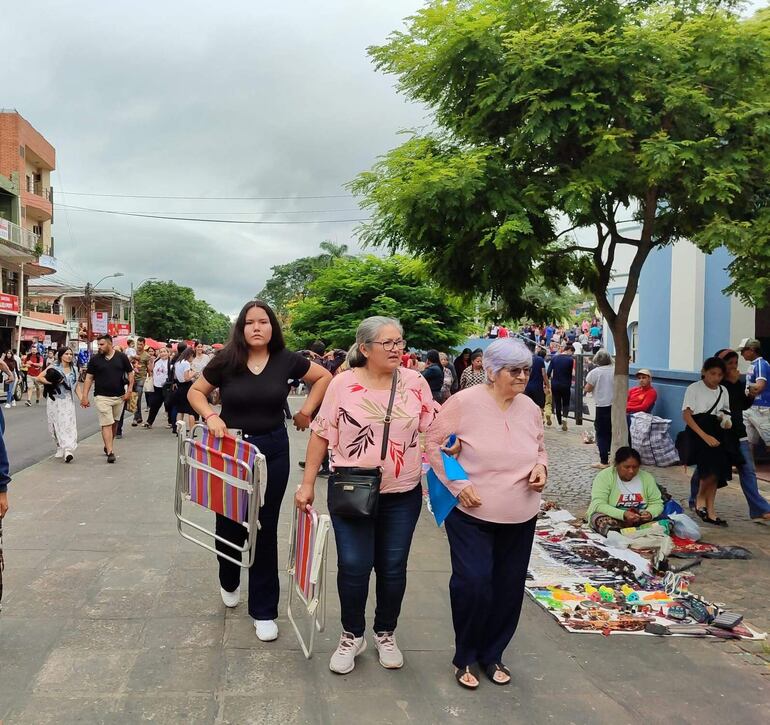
<point>354,492</point>
<point>685,443</point>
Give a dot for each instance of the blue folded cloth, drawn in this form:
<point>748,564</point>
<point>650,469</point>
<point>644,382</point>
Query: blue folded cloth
<point>442,500</point>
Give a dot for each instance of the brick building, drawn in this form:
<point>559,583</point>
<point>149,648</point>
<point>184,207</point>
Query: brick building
<point>26,216</point>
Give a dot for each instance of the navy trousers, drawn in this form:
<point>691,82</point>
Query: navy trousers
<point>603,427</point>
<point>263,574</point>
<point>489,569</point>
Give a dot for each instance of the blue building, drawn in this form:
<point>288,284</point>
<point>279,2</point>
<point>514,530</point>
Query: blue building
<point>680,317</point>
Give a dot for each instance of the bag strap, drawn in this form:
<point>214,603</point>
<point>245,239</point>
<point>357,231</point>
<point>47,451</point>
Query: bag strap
<point>716,402</point>
<point>388,418</point>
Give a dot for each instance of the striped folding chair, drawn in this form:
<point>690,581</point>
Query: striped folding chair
<point>307,572</point>
<point>225,475</point>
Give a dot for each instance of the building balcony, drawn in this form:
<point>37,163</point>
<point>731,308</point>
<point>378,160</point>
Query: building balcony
<point>39,205</point>
<point>18,239</point>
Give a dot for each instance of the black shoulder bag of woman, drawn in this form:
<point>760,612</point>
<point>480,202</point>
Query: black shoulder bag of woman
<point>355,492</point>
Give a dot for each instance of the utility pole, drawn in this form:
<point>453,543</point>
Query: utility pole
<point>88,316</point>
<point>21,305</point>
<point>131,311</point>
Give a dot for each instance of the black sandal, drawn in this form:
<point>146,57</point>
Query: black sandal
<point>468,670</point>
<point>491,670</point>
<point>715,522</point>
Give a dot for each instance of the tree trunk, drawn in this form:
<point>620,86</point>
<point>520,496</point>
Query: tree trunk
<point>620,394</point>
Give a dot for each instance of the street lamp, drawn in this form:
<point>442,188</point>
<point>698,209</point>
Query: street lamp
<point>89,290</point>
<point>131,307</point>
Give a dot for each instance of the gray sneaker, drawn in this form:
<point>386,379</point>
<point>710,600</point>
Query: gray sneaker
<point>344,658</point>
<point>390,655</point>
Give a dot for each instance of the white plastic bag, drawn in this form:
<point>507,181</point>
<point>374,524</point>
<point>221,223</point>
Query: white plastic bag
<point>685,527</point>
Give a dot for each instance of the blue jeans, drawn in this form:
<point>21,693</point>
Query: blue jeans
<point>758,505</point>
<point>9,394</point>
<point>5,466</point>
<point>381,543</point>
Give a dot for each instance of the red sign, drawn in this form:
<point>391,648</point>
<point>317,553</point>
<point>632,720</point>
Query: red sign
<point>119,329</point>
<point>9,303</point>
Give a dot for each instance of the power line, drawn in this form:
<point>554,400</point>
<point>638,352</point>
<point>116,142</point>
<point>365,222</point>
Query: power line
<point>212,221</point>
<point>238,213</point>
<point>211,198</point>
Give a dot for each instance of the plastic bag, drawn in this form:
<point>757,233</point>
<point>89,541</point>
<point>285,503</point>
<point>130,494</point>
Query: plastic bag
<point>685,527</point>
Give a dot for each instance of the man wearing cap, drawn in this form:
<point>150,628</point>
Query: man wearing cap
<point>641,399</point>
<point>757,417</point>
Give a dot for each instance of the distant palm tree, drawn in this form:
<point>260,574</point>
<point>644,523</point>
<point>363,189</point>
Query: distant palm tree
<point>332,251</point>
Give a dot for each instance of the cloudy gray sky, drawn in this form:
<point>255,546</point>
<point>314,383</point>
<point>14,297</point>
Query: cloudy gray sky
<point>233,99</point>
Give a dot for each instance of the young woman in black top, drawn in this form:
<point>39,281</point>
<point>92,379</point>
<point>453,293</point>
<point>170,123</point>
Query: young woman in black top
<point>251,372</point>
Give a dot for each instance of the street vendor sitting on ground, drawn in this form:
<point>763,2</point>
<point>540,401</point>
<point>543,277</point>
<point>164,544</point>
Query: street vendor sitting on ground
<point>623,495</point>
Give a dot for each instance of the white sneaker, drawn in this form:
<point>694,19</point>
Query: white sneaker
<point>390,655</point>
<point>7,405</point>
<point>267,630</point>
<point>344,658</point>
<point>231,599</point>
<point>13,403</point>
<point>59,453</point>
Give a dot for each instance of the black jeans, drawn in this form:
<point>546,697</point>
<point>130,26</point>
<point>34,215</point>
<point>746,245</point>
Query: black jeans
<point>263,575</point>
<point>489,569</point>
<point>381,543</point>
<point>603,426</point>
<point>154,403</point>
<point>561,396</point>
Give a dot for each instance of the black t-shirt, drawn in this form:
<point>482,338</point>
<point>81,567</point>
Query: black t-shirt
<point>254,403</point>
<point>560,370</point>
<point>108,374</point>
<point>739,402</point>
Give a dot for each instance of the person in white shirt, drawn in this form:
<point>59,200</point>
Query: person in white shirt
<point>706,412</point>
<point>601,382</point>
<point>159,378</point>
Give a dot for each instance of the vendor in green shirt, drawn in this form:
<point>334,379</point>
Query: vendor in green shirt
<point>623,495</point>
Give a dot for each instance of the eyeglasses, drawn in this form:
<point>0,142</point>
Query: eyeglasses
<point>515,372</point>
<point>391,345</point>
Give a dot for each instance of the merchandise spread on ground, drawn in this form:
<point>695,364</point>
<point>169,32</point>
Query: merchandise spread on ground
<point>589,586</point>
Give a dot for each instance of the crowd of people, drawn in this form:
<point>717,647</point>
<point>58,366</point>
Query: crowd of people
<point>372,411</point>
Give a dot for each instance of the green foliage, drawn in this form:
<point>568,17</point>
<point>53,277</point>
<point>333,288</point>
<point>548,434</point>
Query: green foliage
<point>351,289</point>
<point>290,281</point>
<point>588,111</point>
<point>167,310</point>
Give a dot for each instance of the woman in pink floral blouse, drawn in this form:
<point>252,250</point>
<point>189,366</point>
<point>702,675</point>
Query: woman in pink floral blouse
<point>350,424</point>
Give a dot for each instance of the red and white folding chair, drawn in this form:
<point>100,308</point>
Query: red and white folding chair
<point>225,475</point>
<point>307,571</point>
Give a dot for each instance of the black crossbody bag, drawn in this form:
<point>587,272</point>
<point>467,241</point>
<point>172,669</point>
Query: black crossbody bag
<point>355,492</point>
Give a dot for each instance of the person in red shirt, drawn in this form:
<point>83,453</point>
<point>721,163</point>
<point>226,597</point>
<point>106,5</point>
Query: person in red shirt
<point>35,364</point>
<point>641,399</point>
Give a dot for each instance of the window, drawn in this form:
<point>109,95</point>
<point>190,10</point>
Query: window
<point>37,229</point>
<point>633,337</point>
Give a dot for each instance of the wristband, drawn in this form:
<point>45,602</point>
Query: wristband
<point>210,415</point>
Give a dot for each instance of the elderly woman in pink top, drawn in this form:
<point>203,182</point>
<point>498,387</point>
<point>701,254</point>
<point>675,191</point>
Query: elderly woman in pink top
<point>490,532</point>
<point>350,424</point>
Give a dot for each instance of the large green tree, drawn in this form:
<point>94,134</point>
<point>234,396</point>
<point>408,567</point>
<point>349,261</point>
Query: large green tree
<point>557,119</point>
<point>167,310</point>
<point>350,289</point>
<point>290,281</point>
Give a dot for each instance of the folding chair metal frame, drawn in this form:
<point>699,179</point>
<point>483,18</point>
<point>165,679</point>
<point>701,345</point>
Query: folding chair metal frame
<point>315,603</point>
<point>256,477</point>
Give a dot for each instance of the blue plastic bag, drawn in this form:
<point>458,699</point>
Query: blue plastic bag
<point>442,500</point>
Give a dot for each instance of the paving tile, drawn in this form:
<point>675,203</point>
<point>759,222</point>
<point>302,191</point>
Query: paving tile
<point>75,671</point>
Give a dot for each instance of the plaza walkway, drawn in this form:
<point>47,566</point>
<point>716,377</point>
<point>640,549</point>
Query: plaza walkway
<point>110,617</point>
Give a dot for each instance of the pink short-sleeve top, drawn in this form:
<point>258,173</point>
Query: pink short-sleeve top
<point>352,420</point>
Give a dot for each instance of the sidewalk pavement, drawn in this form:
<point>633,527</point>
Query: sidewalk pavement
<point>110,617</point>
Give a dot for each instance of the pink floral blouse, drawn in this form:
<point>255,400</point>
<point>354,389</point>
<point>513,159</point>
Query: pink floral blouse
<point>352,420</point>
